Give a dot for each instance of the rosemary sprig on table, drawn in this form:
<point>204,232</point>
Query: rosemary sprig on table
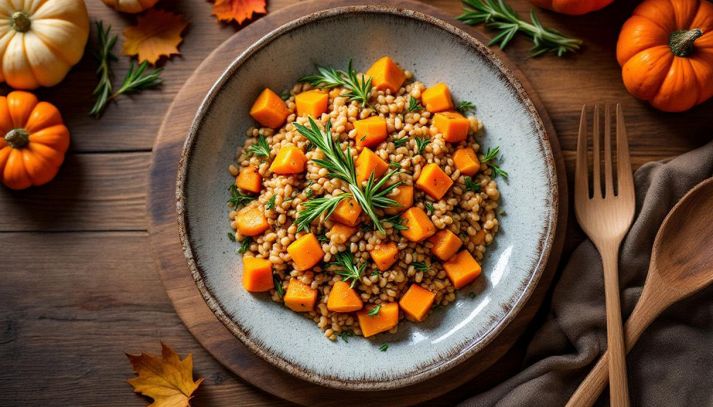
<point>135,80</point>
<point>384,347</point>
<point>237,198</point>
<point>261,148</point>
<point>340,165</point>
<point>490,157</point>
<point>414,105</point>
<point>499,16</point>
<point>348,270</point>
<point>465,106</point>
<point>327,78</point>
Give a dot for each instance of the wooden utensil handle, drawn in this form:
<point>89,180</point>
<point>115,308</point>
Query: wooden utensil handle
<point>618,389</point>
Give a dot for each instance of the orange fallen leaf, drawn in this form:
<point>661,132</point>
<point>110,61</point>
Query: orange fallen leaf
<point>157,33</point>
<point>238,10</point>
<point>167,380</point>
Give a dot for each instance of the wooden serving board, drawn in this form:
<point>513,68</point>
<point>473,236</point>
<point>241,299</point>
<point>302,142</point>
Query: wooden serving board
<point>188,302</point>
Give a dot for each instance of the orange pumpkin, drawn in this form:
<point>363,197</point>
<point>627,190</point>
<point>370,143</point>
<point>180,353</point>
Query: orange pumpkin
<point>666,53</point>
<point>572,7</point>
<point>35,140</point>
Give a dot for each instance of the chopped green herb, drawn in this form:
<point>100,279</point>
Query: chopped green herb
<point>316,207</point>
<point>245,245</point>
<point>231,236</point>
<point>384,347</point>
<point>278,285</point>
<point>271,203</point>
<point>345,335</point>
<point>398,142</point>
<point>492,155</point>
<point>394,165</point>
<point>285,94</point>
<point>309,192</point>
<point>376,272</point>
<point>465,106</point>
<point>396,221</point>
<point>349,270</point>
<point>322,237</point>
<point>414,105</point>
<point>429,208</point>
<point>261,148</point>
<point>471,185</point>
<point>421,143</point>
<point>328,78</point>
<point>237,198</point>
<point>375,311</point>
<point>420,266</point>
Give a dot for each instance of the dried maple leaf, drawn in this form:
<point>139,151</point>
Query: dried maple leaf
<point>167,380</point>
<point>238,10</point>
<point>157,33</point>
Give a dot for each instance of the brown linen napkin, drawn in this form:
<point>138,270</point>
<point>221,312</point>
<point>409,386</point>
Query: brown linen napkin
<point>672,364</point>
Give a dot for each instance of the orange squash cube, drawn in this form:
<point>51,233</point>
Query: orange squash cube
<point>445,244</point>
<point>343,298</point>
<point>251,221</point>
<point>312,103</point>
<point>269,109</point>
<point>347,212</point>
<point>434,181</point>
<point>249,179</point>
<point>370,132</point>
<point>386,319</point>
<point>466,161</point>
<point>418,224</point>
<point>416,302</point>
<point>462,269</point>
<point>341,233</point>
<point>404,198</point>
<point>305,252</point>
<point>437,98</point>
<point>386,74</point>
<point>367,163</point>
<point>385,255</point>
<point>289,160</point>
<point>257,275</point>
<point>299,296</point>
<point>454,126</point>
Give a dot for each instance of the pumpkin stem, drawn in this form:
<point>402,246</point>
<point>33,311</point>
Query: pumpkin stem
<point>681,42</point>
<point>17,138</point>
<point>20,21</point>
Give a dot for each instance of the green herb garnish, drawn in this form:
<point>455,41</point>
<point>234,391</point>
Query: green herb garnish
<point>237,198</point>
<point>429,208</point>
<point>421,143</point>
<point>394,165</point>
<point>271,203</point>
<point>384,347</point>
<point>345,335</point>
<point>322,237</point>
<point>398,142</point>
<point>375,311</point>
<point>261,148</point>
<point>285,95</point>
<point>396,221</point>
<point>349,271</point>
<point>245,245</point>
<point>278,285</point>
<point>414,105</point>
<point>420,266</point>
<point>314,208</point>
<point>471,185</point>
<point>499,16</point>
<point>231,236</point>
<point>465,106</point>
<point>327,78</point>
<point>490,157</point>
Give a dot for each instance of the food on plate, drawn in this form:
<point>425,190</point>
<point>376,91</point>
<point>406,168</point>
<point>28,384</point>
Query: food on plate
<point>363,198</point>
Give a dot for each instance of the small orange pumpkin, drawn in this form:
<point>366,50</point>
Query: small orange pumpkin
<point>666,53</point>
<point>572,7</point>
<point>35,140</point>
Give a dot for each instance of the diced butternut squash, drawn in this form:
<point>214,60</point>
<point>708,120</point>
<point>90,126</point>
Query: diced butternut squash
<point>367,163</point>
<point>257,275</point>
<point>434,181</point>
<point>249,179</point>
<point>385,255</point>
<point>454,126</point>
<point>269,109</point>
<point>311,103</point>
<point>386,319</point>
<point>445,244</point>
<point>305,252</point>
<point>347,212</point>
<point>341,233</point>
<point>299,296</point>
<point>404,198</point>
<point>479,237</point>
<point>386,74</point>
<point>289,160</point>
<point>370,132</point>
<point>343,298</point>
<point>251,221</point>
<point>437,98</point>
<point>418,225</point>
<point>466,161</point>
<point>462,269</point>
<point>416,302</point>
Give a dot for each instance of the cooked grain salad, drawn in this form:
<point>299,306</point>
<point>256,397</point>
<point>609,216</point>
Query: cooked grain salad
<point>361,199</point>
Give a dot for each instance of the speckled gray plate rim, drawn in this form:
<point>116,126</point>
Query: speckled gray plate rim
<point>409,373</point>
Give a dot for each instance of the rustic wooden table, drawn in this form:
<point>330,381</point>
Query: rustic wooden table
<point>79,287</point>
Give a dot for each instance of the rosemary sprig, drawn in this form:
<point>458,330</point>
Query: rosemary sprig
<point>278,285</point>
<point>375,311</point>
<point>396,222</point>
<point>471,185</point>
<point>261,148</point>
<point>327,77</point>
<point>420,266</point>
<point>245,245</point>
<point>414,105</point>
<point>231,236</point>
<point>345,335</point>
<point>316,207</point>
<point>237,198</point>
<point>349,270</point>
<point>322,237</point>
<point>398,142</point>
<point>384,347</point>
<point>421,143</point>
<point>499,16</point>
<point>271,203</point>
<point>465,106</point>
<point>490,157</point>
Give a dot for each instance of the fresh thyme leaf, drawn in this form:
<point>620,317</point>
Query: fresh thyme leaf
<point>285,94</point>
<point>414,105</point>
<point>420,266</point>
<point>429,207</point>
<point>231,236</point>
<point>350,272</point>
<point>471,185</point>
<point>261,148</point>
<point>375,311</point>
<point>237,198</point>
<point>490,157</point>
<point>245,245</point>
<point>396,221</point>
<point>322,237</point>
<point>345,335</point>
<point>314,208</point>
<point>271,203</point>
<point>278,285</point>
<point>327,77</point>
<point>398,142</point>
<point>465,106</point>
<point>384,347</point>
<point>421,143</point>
<point>499,16</point>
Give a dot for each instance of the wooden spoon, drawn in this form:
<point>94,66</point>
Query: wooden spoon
<point>681,264</point>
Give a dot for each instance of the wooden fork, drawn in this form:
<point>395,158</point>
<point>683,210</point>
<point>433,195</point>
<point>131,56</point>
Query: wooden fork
<point>605,217</point>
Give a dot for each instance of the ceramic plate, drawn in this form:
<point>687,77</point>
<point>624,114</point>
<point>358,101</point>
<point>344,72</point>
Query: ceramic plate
<point>435,51</point>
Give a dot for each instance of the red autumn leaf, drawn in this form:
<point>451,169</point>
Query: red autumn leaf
<point>238,10</point>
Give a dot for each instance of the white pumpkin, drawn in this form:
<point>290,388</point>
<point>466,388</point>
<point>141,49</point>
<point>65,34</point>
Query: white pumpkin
<point>130,6</point>
<point>40,40</point>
